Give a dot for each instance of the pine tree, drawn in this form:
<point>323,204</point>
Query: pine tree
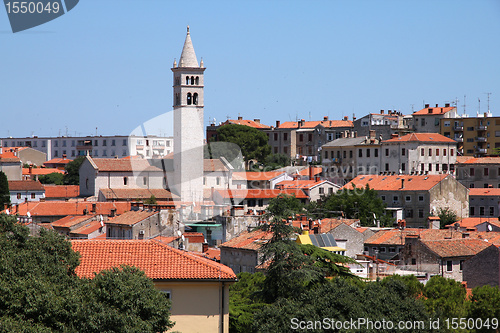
<point>4,190</point>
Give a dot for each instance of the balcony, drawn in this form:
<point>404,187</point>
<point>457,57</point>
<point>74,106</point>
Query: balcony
<point>481,150</point>
<point>481,139</point>
<point>481,128</point>
<point>458,128</point>
<point>459,139</point>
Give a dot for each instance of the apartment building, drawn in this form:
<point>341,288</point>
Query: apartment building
<point>476,136</point>
<point>95,146</point>
<point>384,124</point>
<point>480,172</point>
<point>428,119</point>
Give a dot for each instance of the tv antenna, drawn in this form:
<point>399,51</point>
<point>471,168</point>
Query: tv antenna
<point>488,94</point>
<point>464,103</point>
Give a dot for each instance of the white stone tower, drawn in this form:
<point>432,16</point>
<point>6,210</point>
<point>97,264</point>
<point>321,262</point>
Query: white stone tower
<point>188,124</point>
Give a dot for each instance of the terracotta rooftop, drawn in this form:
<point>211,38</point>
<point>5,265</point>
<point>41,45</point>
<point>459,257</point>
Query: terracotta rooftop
<point>463,159</point>
<point>132,194</point>
<point>9,157</point>
<point>482,160</point>
<point>131,218</point>
<point>260,193</point>
<point>447,248</point>
<point>484,192</point>
<point>395,182</point>
<point>157,260</point>
<point>259,175</point>
<point>397,237</point>
<point>250,123</point>
<point>300,184</point>
<point>433,111</point>
<point>316,171</point>
<point>121,165</point>
<point>195,237</point>
<point>421,137</point>
<point>166,240</point>
<point>61,191</point>
<point>313,124</point>
<point>58,161</point>
<point>65,208</point>
<point>41,171</point>
<point>71,220</point>
<point>212,165</point>
<point>252,240</point>
<point>87,228</point>
<point>472,222</point>
<point>25,185</point>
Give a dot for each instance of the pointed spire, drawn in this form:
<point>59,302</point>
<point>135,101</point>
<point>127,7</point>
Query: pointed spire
<point>188,57</point>
<point>175,63</point>
<point>201,63</point>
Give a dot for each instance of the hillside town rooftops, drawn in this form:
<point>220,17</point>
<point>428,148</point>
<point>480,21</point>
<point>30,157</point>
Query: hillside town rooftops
<point>396,182</point>
<point>421,137</point>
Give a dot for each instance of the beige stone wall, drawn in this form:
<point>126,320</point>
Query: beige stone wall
<point>197,307</point>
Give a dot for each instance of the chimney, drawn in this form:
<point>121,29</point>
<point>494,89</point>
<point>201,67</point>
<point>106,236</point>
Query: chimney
<point>402,183</point>
<point>381,111</point>
<point>30,170</point>
<point>317,179</point>
<point>278,123</point>
<point>240,118</point>
<point>394,135</point>
<point>353,118</point>
<point>64,156</point>
<point>430,110</point>
<point>447,105</point>
<point>325,118</point>
<point>257,121</point>
<point>389,112</point>
<point>204,247</point>
<point>311,176</point>
<point>465,235</point>
<point>302,122</point>
<point>346,117</point>
<point>426,106</point>
<point>436,105</point>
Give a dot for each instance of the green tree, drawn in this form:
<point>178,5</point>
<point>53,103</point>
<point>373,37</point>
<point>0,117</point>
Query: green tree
<point>40,292</point>
<point>445,298</point>
<point>484,304</point>
<point>284,206</point>
<point>252,142</point>
<point>276,161</point>
<point>446,217</point>
<point>151,200</point>
<point>55,178</point>
<point>361,203</point>
<point>72,175</point>
<point>4,190</point>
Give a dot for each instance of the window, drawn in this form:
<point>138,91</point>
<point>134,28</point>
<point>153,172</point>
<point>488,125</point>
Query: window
<point>387,167</point>
<point>104,153</point>
<point>461,264</point>
<point>471,185</point>
<point>403,166</point>
<point>195,98</point>
<point>383,197</point>
<point>472,211</point>
<point>422,167</point>
<point>449,266</point>
<point>360,153</point>
<point>420,198</point>
<point>218,180</point>
<point>350,153</point>
<point>413,261</point>
<point>19,195</point>
<point>470,128</point>
<point>403,151</point>
<point>56,153</point>
<point>345,153</point>
<point>437,167</point>
<point>408,198</point>
<point>444,152</point>
<point>470,140</point>
<point>422,122</point>
<point>64,143</point>
<point>367,152</point>
<point>409,213</point>
<point>387,152</point>
<point>422,152</point>
<point>301,137</point>
<point>420,213</point>
<point>56,144</point>
<point>471,171</point>
<point>430,152</point>
<point>395,198</point>
<point>437,151</point>
<point>104,143</point>
<point>124,143</point>
<point>451,152</point>
<point>285,136</point>
<point>189,99</point>
<point>492,211</point>
<point>32,195</point>
<point>113,142</point>
<point>125,181</point>
<point>321,190</point>
<point>486,171</point>
<point>382,250</point>
<point>481,211</point>
<point>144,180</point>
<point>430,166</point>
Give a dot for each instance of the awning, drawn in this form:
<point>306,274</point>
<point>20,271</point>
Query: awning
<point>206,225</point>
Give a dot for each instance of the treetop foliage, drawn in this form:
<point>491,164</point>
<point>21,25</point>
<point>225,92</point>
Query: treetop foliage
<point>252,142</point>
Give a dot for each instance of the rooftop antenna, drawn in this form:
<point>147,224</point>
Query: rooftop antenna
<point>488,93</point>
<point>464,103</point>
<point>412,108</point>
<point>309,115</point>
<point>479,104</point>
<point>96,131</point>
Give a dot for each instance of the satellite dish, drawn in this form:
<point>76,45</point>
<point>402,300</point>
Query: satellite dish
<point>7,212</point>
<point>182,237</point>
<point>28,214</point>
<point>489,227</point>
<point>179,233</point>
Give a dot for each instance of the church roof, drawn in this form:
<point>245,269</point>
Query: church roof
<point>188,57</point>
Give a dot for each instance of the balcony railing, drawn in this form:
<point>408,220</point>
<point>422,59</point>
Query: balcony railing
<point>481,150</point>
<point>458,128</point>
<point>481,139</point>
<point>459,139</point>
<point>481,128</point>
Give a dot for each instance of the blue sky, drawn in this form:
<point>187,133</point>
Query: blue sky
<point>106,64</point>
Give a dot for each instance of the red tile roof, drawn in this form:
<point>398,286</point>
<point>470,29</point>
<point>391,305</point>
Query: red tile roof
<point>316,171</point>
<point>472,222</point>
<point>65,208</point>
<point>448,248</point>
<point>87,228</point>
<point>61,191</point>
<point>25,185</point>
<point>482,160</point>
<point>62,161</point>
<point>313,124</point>
<point>249,240</point>
<point>157,260</point>
<point>139,193</point>
<point>300,184</point>
<point>260,193</point>
<point>71,220</point>
<point>212,253</point>
<point>166,240</point>
<point>41,171</point>
<point>131,218</point>
<point>9,157</point>
<point>463,159</point>
<point>212,165</point>
<point>495,192</point>
<point>250,123</point>
<point>121,165</point>
<point>394,182</point>
<point>421,137</point>
<point>195,237</point>
<point>259,175</point>
<point>433,111</point>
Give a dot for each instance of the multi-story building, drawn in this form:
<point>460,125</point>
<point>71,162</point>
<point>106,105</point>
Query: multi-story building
<point>418,196</point>
<point>96,146</point>
<point>302,139</point>
<point>476,136</point>
<point>384,124</point>
<point>479,172</point>
<point>484,202</point>
<point>429,153</point>
<point>428,119</point>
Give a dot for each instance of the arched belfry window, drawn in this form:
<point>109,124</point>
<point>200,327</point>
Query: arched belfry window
<point>197,80</point>
<point>195,98</point>
<point>187,79</point>
<point>189,99</point>
<point>192,80</point>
